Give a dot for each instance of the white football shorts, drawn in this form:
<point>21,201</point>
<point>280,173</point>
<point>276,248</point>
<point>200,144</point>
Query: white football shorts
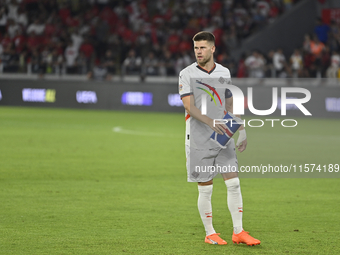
<point>204,164</point>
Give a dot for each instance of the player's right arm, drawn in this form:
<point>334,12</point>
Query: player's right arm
<point>196,113</point>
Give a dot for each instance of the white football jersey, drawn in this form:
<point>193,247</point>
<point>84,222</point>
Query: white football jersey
<point>209,86</point>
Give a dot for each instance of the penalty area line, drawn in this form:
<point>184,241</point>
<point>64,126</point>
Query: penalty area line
<point>132,132</point>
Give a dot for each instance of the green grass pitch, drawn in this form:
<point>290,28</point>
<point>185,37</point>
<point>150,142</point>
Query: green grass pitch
<point>70,184</point>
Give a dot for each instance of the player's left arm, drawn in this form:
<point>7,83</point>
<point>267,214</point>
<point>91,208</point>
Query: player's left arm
<point>241,143</point>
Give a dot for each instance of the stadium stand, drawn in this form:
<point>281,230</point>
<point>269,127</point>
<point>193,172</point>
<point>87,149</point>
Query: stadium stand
<point>116,37</point>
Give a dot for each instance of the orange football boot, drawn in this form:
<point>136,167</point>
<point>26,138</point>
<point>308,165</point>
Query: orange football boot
<point>215,239</point>
<point>244,237</point>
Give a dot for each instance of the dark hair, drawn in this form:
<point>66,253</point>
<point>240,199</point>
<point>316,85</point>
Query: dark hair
<point>204,36</point>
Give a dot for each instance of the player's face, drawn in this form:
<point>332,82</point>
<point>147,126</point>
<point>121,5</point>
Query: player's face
<point>204,51</point>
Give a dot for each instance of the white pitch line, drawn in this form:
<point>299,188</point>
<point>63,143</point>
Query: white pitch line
<point>131,132</point>
<point>309,136</point>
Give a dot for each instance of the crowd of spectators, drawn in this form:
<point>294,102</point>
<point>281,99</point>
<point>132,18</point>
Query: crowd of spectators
<point>102,38</point>
<point>318,57</point>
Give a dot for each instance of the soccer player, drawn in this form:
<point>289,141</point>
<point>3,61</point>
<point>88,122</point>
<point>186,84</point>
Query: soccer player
<point>200,150</point>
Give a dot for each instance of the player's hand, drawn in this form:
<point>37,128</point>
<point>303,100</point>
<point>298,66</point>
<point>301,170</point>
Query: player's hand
<point>242,140</point>
<point>219,128</point>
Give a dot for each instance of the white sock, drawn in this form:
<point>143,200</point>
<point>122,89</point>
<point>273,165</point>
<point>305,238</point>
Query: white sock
<point>204,207</point>
<point>235,203</point>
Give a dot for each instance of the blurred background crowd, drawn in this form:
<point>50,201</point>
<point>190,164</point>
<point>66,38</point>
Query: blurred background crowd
<point>104,38</point>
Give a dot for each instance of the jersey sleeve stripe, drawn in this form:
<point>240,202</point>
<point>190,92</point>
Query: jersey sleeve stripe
<point>185,95</point>
<point>228,93</point>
